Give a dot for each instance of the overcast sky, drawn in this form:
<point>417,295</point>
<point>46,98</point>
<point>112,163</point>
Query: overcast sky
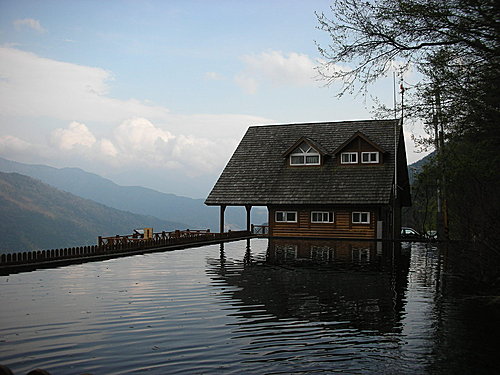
<point>159,93</point>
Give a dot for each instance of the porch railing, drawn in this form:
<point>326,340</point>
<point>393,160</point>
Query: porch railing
<point>259,230</point>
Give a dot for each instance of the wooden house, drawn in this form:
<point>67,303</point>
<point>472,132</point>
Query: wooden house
<point>328,180</point>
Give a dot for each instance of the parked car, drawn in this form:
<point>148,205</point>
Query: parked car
<point>431,234</point>
<point>410,233</point>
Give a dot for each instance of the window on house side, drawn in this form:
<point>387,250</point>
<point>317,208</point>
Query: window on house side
<point>305,155</point>
<point>322,217</point>
<point>286,216</point>
<point>349,158</point>
<point>369,157</point>
<point>361,218</point>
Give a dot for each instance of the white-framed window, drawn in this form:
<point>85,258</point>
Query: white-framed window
<point>322,217</point>
<point>369,157</point>
<point>349,157</point>
<point>361,218</point>
<point>286,216</point>
<point>305,155</point>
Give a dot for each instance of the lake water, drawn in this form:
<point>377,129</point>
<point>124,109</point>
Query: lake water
<point>250,308</point>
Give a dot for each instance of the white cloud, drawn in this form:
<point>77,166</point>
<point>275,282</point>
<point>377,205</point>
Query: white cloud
<point>29,23</point>
<point>276,68</point>
<point>8,142</point>
<point>137,143</point>
<point>329,69</point>
<point>76,134</point>
<point>138,139</point>
<point>139,133</point>
<point>107,148</point>
<point>34,86</point>
<point>61,114</point>
<point>213,76</point>
<point>202,154</point>
<point>247,83</point>
<point>19,149</point>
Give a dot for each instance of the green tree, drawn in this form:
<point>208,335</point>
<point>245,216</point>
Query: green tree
<point>455,45</point>
<point>370,36</point>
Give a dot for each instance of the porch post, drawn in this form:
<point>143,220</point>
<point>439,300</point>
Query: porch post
<point>222,209</point>
<point>248,208</point>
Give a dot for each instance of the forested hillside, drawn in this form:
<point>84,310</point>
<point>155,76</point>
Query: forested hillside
<point>38,216</point>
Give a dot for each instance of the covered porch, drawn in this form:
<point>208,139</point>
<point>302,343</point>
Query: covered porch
<point>257,229</point>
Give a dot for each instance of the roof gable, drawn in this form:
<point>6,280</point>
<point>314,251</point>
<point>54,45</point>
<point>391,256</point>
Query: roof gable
<point>358,134</point>
<point>310,142</point>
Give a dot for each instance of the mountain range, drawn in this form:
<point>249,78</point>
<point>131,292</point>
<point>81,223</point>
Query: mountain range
<point>140,200</point>
<point>38,216</point>
<point>47,207</point>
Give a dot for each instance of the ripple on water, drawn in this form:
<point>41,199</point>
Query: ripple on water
<point>204,310</point>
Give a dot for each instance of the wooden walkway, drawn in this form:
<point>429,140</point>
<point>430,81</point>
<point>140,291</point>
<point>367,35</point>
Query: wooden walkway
<point>113,247</point>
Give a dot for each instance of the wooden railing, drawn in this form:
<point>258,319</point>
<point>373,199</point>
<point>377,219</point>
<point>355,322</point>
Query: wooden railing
<point>160,236</point>
<point>109,247</point>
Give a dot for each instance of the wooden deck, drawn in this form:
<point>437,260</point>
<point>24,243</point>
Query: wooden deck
<point>113,247</point>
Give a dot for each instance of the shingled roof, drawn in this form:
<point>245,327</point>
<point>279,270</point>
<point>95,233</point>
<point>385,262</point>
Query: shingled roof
<point>259,174</point>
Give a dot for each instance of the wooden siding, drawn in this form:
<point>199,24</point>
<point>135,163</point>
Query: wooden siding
<point>342,227</point>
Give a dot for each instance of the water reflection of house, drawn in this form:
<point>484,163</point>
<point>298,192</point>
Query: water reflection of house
<point>332,179</point>
<point>364,294</point>
<point>325,251</point>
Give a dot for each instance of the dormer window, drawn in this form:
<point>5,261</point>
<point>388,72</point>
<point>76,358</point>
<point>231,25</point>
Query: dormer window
<point>305,155</point>
<point>359,150</point>
<point>369,157</point>
<point>349,158</point>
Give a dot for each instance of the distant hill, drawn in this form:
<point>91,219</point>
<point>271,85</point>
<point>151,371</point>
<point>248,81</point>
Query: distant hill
<point>135,199</point>
<point>415,168</point>
<point>38,216</point>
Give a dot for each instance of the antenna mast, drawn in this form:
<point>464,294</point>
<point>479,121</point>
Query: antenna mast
<point>395,184</point>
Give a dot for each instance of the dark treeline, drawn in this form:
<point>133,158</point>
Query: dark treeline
<point>455,46</point>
